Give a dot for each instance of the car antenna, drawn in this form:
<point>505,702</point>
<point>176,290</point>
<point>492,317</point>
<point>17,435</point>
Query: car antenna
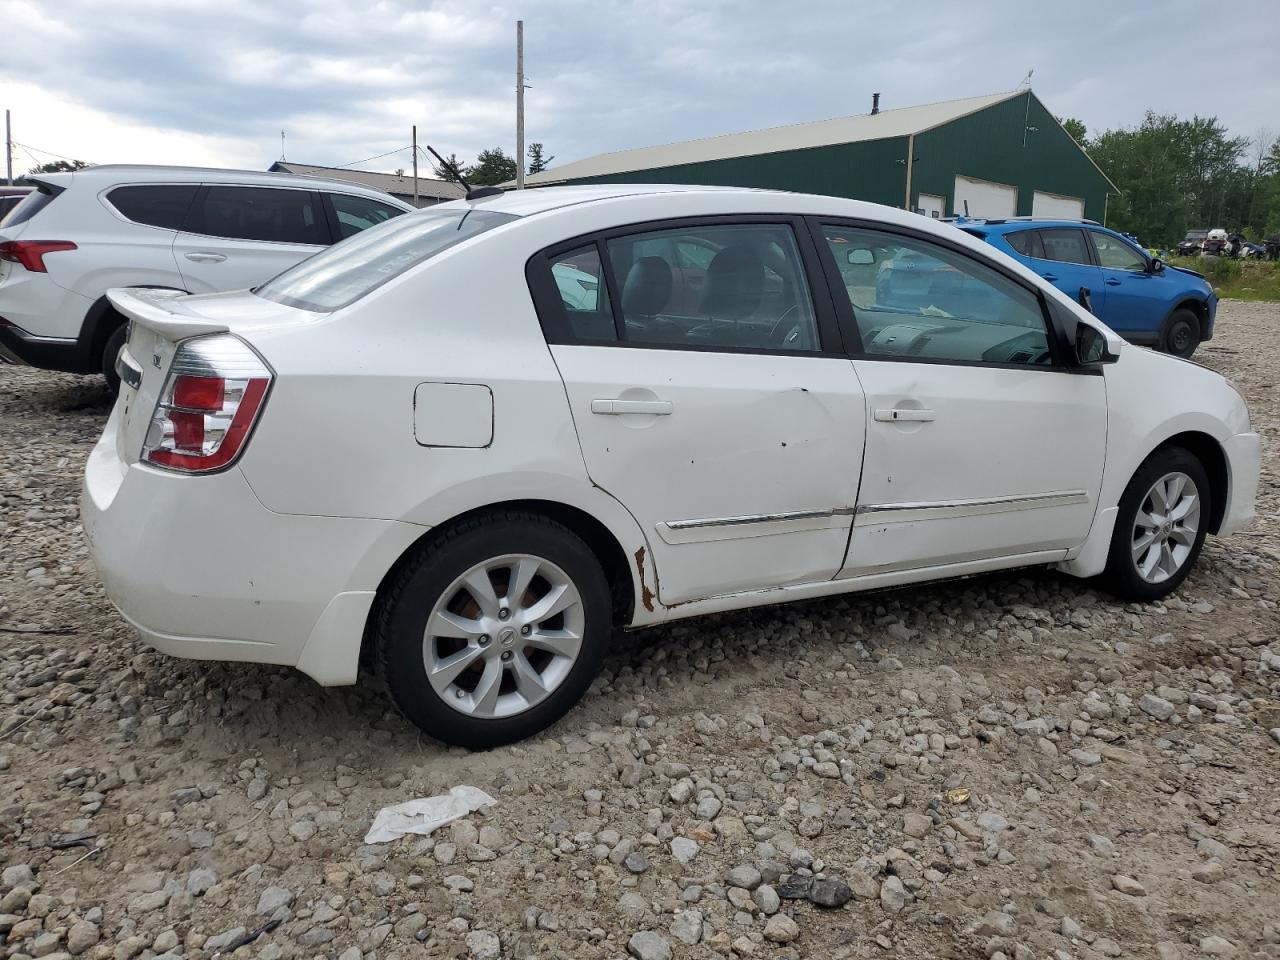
<point>473,193</point>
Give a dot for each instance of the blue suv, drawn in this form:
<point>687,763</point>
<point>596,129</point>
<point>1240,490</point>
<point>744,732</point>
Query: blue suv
<point>1141,298</point>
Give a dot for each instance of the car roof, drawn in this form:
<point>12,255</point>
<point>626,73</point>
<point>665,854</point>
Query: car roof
<point>1029,223</point>
<point>120,173</point>
<point>524,203</point>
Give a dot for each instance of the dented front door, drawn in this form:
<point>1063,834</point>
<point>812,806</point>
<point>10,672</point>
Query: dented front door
<point>741,468</point>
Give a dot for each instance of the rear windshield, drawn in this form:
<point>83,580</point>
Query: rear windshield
<point>30,205</point>
<point>348,270</point>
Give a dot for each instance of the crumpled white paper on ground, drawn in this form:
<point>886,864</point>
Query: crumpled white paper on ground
<point>426,814</point>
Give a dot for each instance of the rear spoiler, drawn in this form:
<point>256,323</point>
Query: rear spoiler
<point>160,311</point>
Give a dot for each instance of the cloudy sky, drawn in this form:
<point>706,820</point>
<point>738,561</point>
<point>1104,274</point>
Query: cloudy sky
<point>174,81</point>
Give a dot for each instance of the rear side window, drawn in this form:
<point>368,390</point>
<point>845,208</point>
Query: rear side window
<point>155,205</point>
<point>359,213</point>
<point>1066,246</point>
<point>261,213</point>
<point>30,205</point>
<point>352,268</point>
<point>583,294</point>
<point>1027,243</point>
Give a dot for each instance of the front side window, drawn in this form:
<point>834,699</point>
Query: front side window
<point>348,270</point>
<point>739,286</point>
<point>261,213</point>
<point>360,213</point>
<point>155,205</point>
<point>1115,254</point>
<point>1066,245</point>
<point>915,299</point>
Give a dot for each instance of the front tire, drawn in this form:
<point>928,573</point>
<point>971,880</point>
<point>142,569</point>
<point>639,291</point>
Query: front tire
<point>1160,527</point>
<point>493,631</point>
<point>1181,333</point>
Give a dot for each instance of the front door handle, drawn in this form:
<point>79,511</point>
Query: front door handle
<point>617,408</point>
<point>202,257</point>
<point>1052,278</point>
<point>903,415</point>
<point>1112,282</point>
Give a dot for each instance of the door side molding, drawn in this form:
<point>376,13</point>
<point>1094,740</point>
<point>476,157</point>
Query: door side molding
<point>870,514</point>
<point>754,525</point>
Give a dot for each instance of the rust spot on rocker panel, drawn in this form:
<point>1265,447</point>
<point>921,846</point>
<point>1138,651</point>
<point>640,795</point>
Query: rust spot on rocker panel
<point>646,595</point>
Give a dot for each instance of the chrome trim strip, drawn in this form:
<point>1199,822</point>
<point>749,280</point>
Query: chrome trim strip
<point>36,338</point>
<point>757,518</point>
<point>871,513</point>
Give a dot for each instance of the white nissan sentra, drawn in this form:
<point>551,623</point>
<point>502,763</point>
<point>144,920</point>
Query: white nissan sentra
<point>471,442</point>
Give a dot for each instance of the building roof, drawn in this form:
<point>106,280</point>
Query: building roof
<point>796,136</point>
<point>386,182</point>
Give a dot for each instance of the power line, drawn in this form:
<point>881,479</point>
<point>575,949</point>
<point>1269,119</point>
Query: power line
<point>343,166</point>
<point>28,147</point>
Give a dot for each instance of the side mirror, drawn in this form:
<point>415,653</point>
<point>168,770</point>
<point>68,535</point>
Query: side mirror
<point>1091,347</point>
<point>1157,265</point>
<point>860,257</point>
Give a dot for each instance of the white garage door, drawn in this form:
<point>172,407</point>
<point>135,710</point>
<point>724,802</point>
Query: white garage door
<point>984,199</point>
<point>1054,206</point>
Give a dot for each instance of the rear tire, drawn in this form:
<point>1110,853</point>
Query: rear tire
<point>1160,527</point>
<point>1181,334</point>
<point>111,350</point>
<point>479,666</point>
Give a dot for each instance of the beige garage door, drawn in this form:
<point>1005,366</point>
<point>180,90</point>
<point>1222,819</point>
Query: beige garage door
<point>982,198</point>
<point>1055,206</point>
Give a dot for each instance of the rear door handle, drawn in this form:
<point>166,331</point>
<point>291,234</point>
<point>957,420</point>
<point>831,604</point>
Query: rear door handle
<point>1050,277</point>
<point>904,415</point>
<point>617,408</point>
<point>202,257</point>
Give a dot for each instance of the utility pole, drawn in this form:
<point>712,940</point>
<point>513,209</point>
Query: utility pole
<point>415,164</point>
<point>8,150</point>
<point>519,104</point>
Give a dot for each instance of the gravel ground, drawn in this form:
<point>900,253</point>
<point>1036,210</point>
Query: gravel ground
<point>1009,766</point>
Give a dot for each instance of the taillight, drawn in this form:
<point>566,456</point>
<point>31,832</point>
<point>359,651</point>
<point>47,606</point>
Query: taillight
<point>216,388</point>
<point>30,253</point>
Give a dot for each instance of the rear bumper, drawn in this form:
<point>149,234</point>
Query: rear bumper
<point>48,353</point>
<point>202,570</point>
<point>1244,464</point>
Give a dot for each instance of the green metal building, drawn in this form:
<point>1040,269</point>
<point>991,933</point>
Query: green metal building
<point>1001,155</point>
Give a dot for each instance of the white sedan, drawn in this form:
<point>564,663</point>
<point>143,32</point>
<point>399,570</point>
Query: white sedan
<point>428,445</point>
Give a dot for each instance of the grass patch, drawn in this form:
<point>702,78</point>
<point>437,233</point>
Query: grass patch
<point>1237,279</point>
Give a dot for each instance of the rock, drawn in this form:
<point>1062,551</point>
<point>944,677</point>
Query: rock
<point>992,822</point>
<point>636,862</point>
<point>272,899</point>
<point>81,937</point>
<point>1154,706</point>
<point>916,825</point>
<point>649,945</point>
<point>781,929</point>
<point>797,888</point>
<point>686,926</point>
<point>1211,871</point>
<point>1085,758</point>
<point>684,850</point>
<point>632,906</point>
<point>200,880</point>
<point>484,945</point>
<point>1128,885</point>
<point>747,877</point>
<point>459,884</point>
<point>1216,946</point>
<point>996,923</point>
<point>17,875</point>
<point>1070,928</point>
<point>893,896</point>
<point>766,898</point>
<point>830,892</point>
<point>223,940</point>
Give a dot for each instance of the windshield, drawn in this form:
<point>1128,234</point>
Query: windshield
<point>348,270</point>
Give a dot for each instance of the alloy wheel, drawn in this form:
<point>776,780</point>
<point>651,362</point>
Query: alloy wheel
<point>503,636</point>
<point>1165,528</point>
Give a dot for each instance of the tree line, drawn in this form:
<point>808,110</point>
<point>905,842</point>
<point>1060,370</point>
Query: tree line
<point>493,166</point>
<point>1177,175</point>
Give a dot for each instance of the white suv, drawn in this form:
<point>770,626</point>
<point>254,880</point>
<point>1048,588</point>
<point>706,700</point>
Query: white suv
<point>199,231</point>
<point>475,439</point>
